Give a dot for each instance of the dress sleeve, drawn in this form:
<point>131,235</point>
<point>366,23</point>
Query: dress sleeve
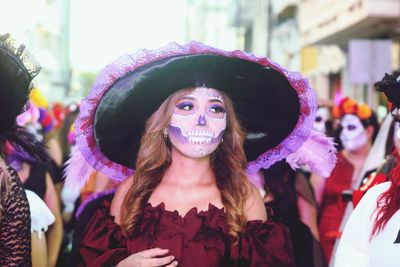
<point>264,244</point>
<point>102,243</point>
<point>15,232</point>
<point>354,242</point>
<point>41,215</point>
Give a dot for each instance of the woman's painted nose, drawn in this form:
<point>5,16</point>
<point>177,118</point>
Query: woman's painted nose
<point>201,121</point>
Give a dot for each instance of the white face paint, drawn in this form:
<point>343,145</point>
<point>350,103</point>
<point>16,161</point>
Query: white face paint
<point>353,136</point>
<point>322,116</point>
<point>396,136</point>
<point>198,123</point>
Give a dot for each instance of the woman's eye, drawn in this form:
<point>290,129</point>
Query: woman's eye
<point>217,109</point>
<point>185,106</point>
<point>351,127</point>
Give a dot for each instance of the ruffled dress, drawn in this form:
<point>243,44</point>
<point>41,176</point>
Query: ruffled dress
<point>332,207</point>
<point>196,239</point>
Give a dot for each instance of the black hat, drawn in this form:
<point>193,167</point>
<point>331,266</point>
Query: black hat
<point>390,86</point>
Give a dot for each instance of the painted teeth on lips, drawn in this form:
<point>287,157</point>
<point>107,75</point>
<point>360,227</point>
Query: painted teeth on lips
<point>199,140</point>
<point>200,133</point>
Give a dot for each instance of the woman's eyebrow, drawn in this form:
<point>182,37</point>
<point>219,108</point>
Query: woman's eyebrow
<point>216,100</point>
<point>187,98</point>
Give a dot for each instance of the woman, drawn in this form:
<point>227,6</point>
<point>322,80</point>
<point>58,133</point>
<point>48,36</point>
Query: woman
<point>189,201</point>
<point>17,69</point>
<point>287,196</point>
<point>290,199</point>
<point>358,127</point>
<point>36,176</point>
<point>371,236</point>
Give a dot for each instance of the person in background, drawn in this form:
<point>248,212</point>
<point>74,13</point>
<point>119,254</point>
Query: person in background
<point>323,120</point>
<point>17,69</point>
<point>371,237</point>
<point>36,176</point>
<point>358,128</point>
<point>289,196</point>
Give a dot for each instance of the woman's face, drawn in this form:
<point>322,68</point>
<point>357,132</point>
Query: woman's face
<point>396,136</point>
<point>353,135</point>
<point>198,122</point>
<point>322,116</point>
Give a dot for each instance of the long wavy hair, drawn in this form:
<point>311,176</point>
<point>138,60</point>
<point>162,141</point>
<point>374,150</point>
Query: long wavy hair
<point>228,162</point>
<point>4,186</point>
<point>388,203</point>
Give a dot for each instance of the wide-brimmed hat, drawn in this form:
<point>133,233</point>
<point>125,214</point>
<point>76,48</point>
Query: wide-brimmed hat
<point>276,107</point>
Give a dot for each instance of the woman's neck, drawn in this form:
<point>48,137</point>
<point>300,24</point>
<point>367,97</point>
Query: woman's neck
<point>186,171</point>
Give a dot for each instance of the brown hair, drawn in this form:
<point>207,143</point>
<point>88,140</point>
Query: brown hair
<point>228,163</point>
<point>4,186</point>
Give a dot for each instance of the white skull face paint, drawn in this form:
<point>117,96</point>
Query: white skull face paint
<point>198,123</point>
<point>322,116</point>
<point>353,135</point>
<point>396,136</point>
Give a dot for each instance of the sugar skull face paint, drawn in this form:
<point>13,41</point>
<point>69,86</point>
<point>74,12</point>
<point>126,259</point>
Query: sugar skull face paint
<point>198,123</point>
<point>322,116</point>
<point>354,135</point>
<point>396,136</point>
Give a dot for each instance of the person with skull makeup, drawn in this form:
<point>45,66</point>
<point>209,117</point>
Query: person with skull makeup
<point>358,128</point>
<point>371,236</point>
<point>163,123</point>
<point>323,121</point>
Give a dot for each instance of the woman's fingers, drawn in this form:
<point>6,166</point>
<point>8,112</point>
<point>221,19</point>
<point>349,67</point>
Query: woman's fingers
<point>172,264</point>
<point>154,252</point>
<point>156,262</point>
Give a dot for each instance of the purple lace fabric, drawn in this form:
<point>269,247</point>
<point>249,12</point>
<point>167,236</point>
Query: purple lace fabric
<point>93,197</point>
<point>15,226</point>
<point>84,124</point>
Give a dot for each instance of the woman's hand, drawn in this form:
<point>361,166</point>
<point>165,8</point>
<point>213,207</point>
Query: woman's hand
<point>149,258</point>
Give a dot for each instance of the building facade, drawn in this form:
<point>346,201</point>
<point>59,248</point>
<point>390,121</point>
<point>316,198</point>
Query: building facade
<point>354,42</point>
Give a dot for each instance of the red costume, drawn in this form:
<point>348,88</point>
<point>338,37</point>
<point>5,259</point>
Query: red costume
<point>332,208</point>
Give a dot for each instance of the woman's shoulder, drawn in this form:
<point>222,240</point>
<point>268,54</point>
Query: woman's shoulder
<point>116,204</point>
<point>254,208</point>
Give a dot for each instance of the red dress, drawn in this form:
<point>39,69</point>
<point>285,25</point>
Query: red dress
<point>332,208</point>
<point>196,239</point>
